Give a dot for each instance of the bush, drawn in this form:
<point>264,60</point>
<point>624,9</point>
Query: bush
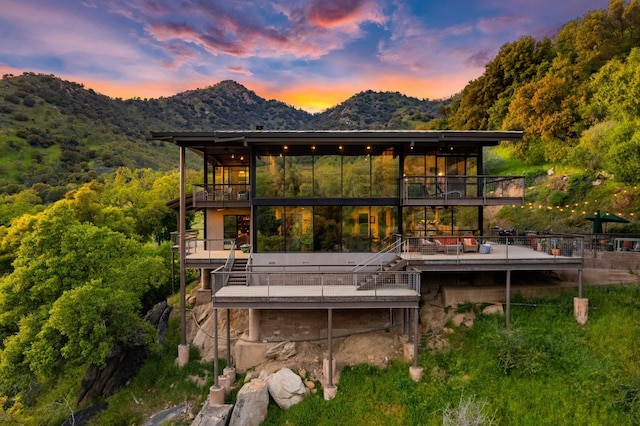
<point>468,412</point>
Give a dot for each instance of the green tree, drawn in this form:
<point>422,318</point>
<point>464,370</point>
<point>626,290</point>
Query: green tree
<point>65,274</point>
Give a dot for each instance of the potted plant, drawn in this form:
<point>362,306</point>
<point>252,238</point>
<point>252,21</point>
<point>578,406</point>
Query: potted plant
<point>555,249</point>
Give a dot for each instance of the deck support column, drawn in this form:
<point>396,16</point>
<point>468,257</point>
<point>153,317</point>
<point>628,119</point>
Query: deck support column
<point>580,283</point>
<point>254,325</point>
<point>330,390</point>
<point>415,370</point>
<point>230,369</point>
<point>183,348</point>
<point>216,392</point>
<point>508,297</point>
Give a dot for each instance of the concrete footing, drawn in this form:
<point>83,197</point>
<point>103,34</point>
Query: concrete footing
<point>247,355</point>
<point>231,372</point>
<point>183,355</point>
<point>581,310</point>
<point>224,382</point>
<point>330,392</point>
<point>416,373</point>
<point>216,395</point>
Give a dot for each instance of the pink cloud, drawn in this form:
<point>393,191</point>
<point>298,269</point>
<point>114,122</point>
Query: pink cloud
<point>240,70</point>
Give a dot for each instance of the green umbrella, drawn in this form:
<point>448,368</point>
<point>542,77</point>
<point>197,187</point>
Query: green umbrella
<point>599,218</point>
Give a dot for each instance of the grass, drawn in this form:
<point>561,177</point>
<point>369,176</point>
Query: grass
<point>544,370</point>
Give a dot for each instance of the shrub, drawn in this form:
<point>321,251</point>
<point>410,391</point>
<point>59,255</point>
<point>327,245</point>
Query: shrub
<point>468,412</point>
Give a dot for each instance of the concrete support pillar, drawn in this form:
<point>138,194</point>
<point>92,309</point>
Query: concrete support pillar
<point>254,325</point>
<point>581,310</point>
<point>231,373</point>
<point>205,279</point>
<point>229,360</point>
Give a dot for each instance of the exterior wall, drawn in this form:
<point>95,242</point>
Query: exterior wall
<point>293,324</point>
<point>215,222</point>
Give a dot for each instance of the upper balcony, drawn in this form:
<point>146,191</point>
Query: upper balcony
<point>221,195</point>
<point>454,190</point>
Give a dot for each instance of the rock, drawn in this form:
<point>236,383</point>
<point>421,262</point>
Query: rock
<point>252,403</point>
<point>551,171</point>
<point>310,384</point>
<point>286,388</point>
<point>124,362</point>
<point>433,317</point>
<point>282,351</point>
<point>495,309</point>
<point>83,416</point>
<point>217,415</point>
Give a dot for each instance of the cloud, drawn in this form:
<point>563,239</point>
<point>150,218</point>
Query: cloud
<point>258,29</point>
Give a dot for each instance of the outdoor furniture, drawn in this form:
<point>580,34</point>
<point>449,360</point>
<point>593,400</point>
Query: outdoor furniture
<point>469,244</point>
<point>448,245</point>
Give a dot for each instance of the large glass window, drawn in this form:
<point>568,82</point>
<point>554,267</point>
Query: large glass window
<point>269,225</point>
<point>328,176</point>
<point>439,220</point>
<point>270,176</point>
<point>298,181</point>
<point>325,228</point>
<point>356,176</point>
<point>299,229</point>
<point>384,173</point>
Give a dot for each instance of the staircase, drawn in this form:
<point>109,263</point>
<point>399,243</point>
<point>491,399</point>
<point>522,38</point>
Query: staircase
<point>377,279</point>
<point>236,277</point>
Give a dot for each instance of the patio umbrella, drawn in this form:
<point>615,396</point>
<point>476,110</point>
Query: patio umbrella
<point>599,218</point>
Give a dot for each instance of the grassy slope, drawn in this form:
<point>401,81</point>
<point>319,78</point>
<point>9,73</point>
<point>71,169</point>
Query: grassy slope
<point>544,370</point>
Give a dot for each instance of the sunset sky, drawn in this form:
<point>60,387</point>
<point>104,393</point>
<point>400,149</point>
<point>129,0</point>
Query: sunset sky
<point>311,54</point>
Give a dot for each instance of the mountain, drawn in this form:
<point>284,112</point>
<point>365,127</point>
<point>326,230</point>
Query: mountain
<point>56,132</point>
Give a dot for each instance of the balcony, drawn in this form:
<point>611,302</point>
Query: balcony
<point>220,195</point>
<point>454,190</point>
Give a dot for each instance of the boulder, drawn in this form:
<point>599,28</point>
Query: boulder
<point>495,309</point>
<point>252,403</point>
<point>124,362</point>
<point>286,388</point>
<point>282,351</point>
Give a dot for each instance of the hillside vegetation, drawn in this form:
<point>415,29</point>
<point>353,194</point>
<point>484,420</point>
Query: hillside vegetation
<point>81,188</point>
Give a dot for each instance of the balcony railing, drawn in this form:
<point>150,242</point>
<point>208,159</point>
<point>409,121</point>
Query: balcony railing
<point>460,189</point>
<point>221,193</point>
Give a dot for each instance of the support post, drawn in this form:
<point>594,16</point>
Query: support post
<point>216,392</point>
<point>580,283</point>
<point>508,296</point>
<point>216,383</point>
<point>183,349</point>
<point>330,390</point>
<point>415,371</point>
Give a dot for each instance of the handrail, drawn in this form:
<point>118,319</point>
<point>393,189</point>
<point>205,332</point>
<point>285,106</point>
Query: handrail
<point>461,186</point>
<point>394,247</point>
<point>221,192</point>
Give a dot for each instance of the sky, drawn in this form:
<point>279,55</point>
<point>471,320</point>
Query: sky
<point>310,54</point>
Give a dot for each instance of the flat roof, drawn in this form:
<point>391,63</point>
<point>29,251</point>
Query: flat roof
<point>318,136</point>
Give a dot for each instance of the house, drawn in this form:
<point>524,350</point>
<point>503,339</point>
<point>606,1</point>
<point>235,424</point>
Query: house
<point>306,228</point>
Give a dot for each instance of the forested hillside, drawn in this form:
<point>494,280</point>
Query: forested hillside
<point>55,133</point>
<point>83,240</point>
<point>577,97</point>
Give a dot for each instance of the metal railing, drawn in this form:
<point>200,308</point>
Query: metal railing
<point>221,192</point>
<point>462,186</point>
<point>320,284</point>
<point>379,259</point>
<point>523,247</point>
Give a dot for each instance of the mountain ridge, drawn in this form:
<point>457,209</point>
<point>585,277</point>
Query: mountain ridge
<point>57,132</point>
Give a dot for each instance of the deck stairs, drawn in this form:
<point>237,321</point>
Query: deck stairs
<point>376,278</point>
<point>236,278</point>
